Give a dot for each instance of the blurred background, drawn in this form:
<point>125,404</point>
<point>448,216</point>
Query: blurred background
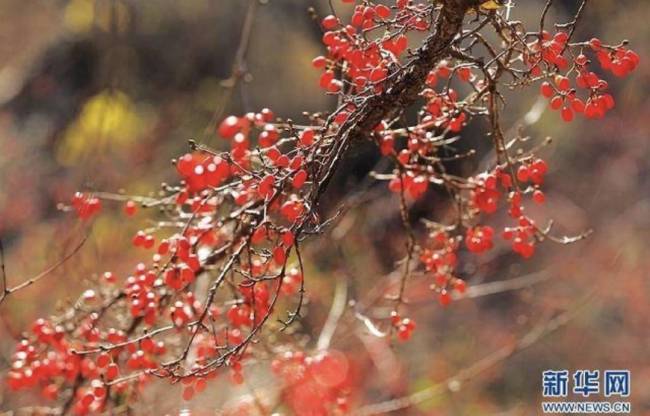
<point>102,94</point>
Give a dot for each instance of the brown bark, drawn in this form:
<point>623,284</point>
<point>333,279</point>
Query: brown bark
<point>402,92</point>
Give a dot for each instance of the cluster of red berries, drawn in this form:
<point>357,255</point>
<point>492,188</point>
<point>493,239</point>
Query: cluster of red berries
<point>439,258</point>
<point>202,171</point>
<point>403,326</point>
<point>366,63</point>
<point>486,196</point>
<point>522,236</point>
<point>533,171</point>
<point>414,185</point>
<point>443,107</point>
<point>314,385</point>
<point>547,50</point>
<point>86,205</point>
<point>479,239</point>
<point>144,240</point>
<point>287,174</point>
<point>254,306</point>
<point>176,259</point>
<point>619,60</point>
<point>50,368</point>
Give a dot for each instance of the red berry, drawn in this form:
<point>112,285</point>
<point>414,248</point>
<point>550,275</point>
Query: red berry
<point>109,277</point>
<point>229,127</point>
<point>103,360</point>
<point>50,392</point>
<point>139,239</point>
<point>130,208</point>
<point>547,89</point>
<point>523,173</point>
<point>279,255</point>
<point>556,102</point>
<point>444,298</point>
<point>562,83</point>
<point>460,286</point>
<point>188,393</point>
<point>577,105</point>
<point>319,62</point>
<point>403,333</point>
<point>306,137</point>
<point>299,179</point>
<point>567,114</point>
<point>595,44</point>
<point>382,11</point>
<point>112,371</point>
<point>87,400</point>
<point>330,22</point>
<point>236,377</point>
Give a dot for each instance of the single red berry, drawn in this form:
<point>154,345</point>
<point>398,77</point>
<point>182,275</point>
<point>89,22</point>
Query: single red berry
<point>287,238</point>
<point>556,102</point>
<point>149,242</point>
<point>403,333</point>
<point>595,44</point>
<point>299,179</point>
<point>319,62</point>
<point>279,255</point>
<point>87,400</point>
<point>188,393</point>
<point>444,298</point>
<point>236,377</point>
<point>330,22</point>
<point>50,392</point>
<point>382,11</point>
<point>523,173</point>
<point>112,371</point>
<point>139,239</point>
<point>562,82</point>
<point>567,114</point>
<point>306,137</point>
<point>109,277</point>
<point>577,105</point>
<point>103,360</point>
<point>130,208</point>
<point>267,115</point>
<point>547,89</point>
<point>229,127</point>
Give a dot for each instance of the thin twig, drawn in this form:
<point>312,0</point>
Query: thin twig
<point>9,290</point>
<point>470,373</point>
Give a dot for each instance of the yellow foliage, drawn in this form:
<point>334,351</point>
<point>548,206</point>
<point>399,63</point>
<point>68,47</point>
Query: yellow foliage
<point>107,120</point>
<point>79,15</point>
<point>491,5</point>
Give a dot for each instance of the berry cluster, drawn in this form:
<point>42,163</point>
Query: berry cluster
<point>403,326</point>
<point>552,52</point>
<point>314,385</point>
<point>440,258</point>
<point>86,205</point>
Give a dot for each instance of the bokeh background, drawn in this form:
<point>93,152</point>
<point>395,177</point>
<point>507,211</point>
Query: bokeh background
<point>101,94</point>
